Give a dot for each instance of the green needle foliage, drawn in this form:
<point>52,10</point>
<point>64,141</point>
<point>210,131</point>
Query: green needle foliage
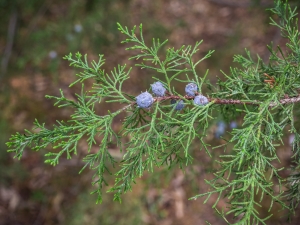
<point>265,95</point>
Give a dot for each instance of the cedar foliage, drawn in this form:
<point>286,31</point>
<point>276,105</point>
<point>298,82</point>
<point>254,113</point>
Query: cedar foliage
<point>265,94</point>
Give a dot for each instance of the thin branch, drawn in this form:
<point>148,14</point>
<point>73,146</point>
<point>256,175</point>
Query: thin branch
<point>233,101</point>
<point>223,101</point>
<point>286,101</point>
<point>272,104</point>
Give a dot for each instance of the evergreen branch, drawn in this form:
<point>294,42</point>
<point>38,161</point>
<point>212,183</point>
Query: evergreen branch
<point>161,133</point>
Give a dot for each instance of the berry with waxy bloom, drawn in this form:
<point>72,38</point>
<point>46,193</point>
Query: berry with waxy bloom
<point>158,89</point>
<point>233,125</point>
<point>200,100</point>
<point>221,128</point>
<point>179,105</point>
<point>191,89</point>
<point>144,100</point>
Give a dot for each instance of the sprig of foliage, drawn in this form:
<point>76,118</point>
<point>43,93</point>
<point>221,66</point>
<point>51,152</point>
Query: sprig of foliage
<point>156,136</point>
<point>248,173</point>
<point>264,94</point>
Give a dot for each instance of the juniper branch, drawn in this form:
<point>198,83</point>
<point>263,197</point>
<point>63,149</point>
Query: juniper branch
<point>161,135</point>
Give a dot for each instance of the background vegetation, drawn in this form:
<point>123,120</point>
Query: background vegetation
<point>36,34</point>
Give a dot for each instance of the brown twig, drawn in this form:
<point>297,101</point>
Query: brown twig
<point>232,102</point>
<point>283,101</point>
<point>286,101</point>
<point>271,80</point>
<point>215,100</point>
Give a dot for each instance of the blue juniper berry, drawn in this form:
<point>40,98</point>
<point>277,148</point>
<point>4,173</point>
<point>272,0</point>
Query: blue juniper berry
<point>144,100</point>
<point>158,89</point>
<point>179,105</point>
<point>221,127</point>
<point>191,89</point>
<point>200,100</point>
<point>233,125</point>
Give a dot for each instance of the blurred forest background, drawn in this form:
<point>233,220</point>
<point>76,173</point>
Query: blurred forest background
<point>36,34</point>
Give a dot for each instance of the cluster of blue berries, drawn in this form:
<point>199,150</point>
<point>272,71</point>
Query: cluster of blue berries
<point>145,99</point>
